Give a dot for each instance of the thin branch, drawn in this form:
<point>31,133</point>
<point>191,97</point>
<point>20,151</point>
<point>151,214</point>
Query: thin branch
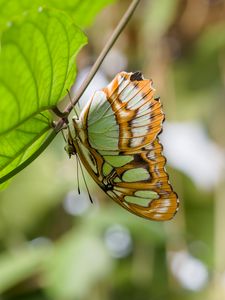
<point>123,22</point>
<point>58,113</point>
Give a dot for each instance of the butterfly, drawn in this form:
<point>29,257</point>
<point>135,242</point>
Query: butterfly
<point>116,139</point>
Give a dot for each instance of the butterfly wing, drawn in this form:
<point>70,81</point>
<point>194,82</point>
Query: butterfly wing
<point>124,116</point>
<point>142,185</point>
<point>117,142</point>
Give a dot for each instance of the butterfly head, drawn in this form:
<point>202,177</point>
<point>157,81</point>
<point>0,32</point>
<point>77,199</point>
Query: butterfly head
<point>70,150</point>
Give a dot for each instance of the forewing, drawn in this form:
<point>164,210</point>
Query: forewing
<point>124,116</point>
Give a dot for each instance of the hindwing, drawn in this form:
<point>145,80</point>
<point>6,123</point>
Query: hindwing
<point>142,185</point>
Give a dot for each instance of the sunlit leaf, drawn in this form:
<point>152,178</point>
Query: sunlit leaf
<point>83,11</point>
<point>37,66</point>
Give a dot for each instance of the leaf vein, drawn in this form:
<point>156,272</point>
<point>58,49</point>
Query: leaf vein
<point>29,68</point>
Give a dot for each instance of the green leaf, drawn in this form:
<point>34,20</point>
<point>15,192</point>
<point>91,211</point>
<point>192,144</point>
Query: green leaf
<point>37,66</point>
<point>18,144</point>
<point>83,11</point>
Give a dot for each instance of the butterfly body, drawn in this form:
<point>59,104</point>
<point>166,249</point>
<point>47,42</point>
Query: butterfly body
<point>116,138</point>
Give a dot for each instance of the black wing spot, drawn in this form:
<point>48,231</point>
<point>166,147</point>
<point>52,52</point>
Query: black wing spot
<point>109,187</point>
<point>136,76</point>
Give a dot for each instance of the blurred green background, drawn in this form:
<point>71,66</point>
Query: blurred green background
<point>56,245</point>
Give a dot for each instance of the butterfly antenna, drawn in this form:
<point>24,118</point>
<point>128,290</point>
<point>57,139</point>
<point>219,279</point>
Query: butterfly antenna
<point>78,181</point>
<point>74,109</point>
<point>84,179</point>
